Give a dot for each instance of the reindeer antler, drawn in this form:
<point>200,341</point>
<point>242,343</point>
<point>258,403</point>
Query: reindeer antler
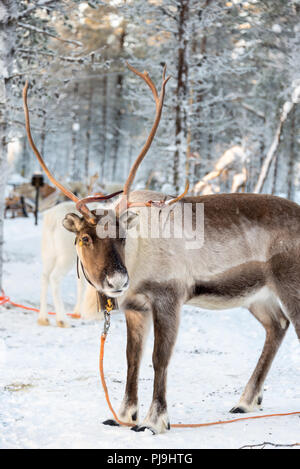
<point>123,204</point>
<point>83,208</point>
<point>159,101</point>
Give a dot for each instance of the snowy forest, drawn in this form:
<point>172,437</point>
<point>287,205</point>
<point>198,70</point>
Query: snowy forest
<point>230,123</point>
<point>230,120</point>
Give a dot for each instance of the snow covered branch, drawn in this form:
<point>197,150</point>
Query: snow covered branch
<point>29,10</point>
<point>254,111</point>
<point>79,60</point>
<point>47,33</point>
<point>286,109</point>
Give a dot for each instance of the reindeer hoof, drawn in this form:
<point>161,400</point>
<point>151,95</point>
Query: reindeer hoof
<point>111,422</point>
<point>259,400</point>
<point>43,322</point>
<point>138,428</point>
<point>238,410</point>
<point>62,324</point>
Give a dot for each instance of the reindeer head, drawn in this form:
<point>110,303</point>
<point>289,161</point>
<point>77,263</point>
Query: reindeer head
<point>101,248</point>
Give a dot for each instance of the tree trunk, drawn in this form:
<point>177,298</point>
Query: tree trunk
<point>74,171</point>
<point>293,137</point>
<point>24,162</point>
<point>7,41</point>
<point>3,171</point>
<point>275,174</point>
<point>88,133</point>
<point>104,129</point>
<point>190,171</point>
<point>44,133</point>
<point>287,108</point>
<point>118,115</point>
<point>197,136</point>
<point>181,93</point>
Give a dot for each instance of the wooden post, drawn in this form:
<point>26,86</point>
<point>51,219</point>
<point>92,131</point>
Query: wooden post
<point>37,181</point>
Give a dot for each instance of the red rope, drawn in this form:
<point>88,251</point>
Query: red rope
<point>4,299</point>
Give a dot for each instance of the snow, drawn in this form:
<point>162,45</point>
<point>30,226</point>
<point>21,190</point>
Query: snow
<point>3,12</point>
<point>16,179</point>
<point>276,28</point>
<point>296,94</point>
<point>287,107</point>
<point>50,392</point>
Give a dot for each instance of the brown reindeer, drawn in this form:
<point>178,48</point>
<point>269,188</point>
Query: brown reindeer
<point>250,257</point>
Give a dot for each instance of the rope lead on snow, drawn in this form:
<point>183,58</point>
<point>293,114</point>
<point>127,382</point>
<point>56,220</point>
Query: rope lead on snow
<point>108,308</point>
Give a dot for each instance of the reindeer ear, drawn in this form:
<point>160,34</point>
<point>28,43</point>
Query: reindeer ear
<point>129,219</point>
<point>73,222</point>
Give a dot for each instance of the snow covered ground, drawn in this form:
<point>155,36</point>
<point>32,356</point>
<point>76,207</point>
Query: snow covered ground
<point>51,397</point>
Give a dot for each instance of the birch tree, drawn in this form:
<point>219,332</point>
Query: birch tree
<point>8,10</point>
<point>25,31</point>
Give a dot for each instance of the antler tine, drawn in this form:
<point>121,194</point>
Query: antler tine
<point>159,105</point>
<point>83,209</point>
<point>161,203</point>
<point>179,197</point>
<point>95,198</point>
<point>145,76</point>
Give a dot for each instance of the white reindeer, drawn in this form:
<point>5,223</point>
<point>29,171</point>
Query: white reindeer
<point>59,257</point>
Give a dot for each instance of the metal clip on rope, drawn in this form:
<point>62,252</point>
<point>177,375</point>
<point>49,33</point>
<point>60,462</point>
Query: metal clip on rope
<point>106,322</point>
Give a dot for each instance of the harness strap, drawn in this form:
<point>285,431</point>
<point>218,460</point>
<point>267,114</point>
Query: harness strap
<point>84,273</point>
<point>104,302</point>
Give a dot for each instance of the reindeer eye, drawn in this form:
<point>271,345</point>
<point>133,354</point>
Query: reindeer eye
<point>85,239</point>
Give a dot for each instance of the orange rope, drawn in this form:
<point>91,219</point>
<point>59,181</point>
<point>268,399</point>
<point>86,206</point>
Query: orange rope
<point>103,338</point>
<point>5,299</point>
<point>176,425</point>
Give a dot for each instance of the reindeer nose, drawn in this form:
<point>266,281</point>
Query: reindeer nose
<point>117,282</point>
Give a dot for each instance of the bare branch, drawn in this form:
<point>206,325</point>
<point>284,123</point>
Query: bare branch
<point>80,60</point>
<point>267,443</point>
<point>167,13</point>
<point>37,129</point>
<point>29,10</point>
<point>254,111</point>
<point>246,106</point>
<point>21,74</point>
<point>47,33</point>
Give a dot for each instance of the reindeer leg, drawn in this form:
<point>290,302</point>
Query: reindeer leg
<point>80,289</point>
<point>48,265</point>
<point>276,321</point>
<point>276,325</point>
<point>59,271</point>
<point>89,306</point>
<point>166,313</point>
<point>296,323</point>
<point>137,328</point>
<point>43,314</point>
<point>291,307</point>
